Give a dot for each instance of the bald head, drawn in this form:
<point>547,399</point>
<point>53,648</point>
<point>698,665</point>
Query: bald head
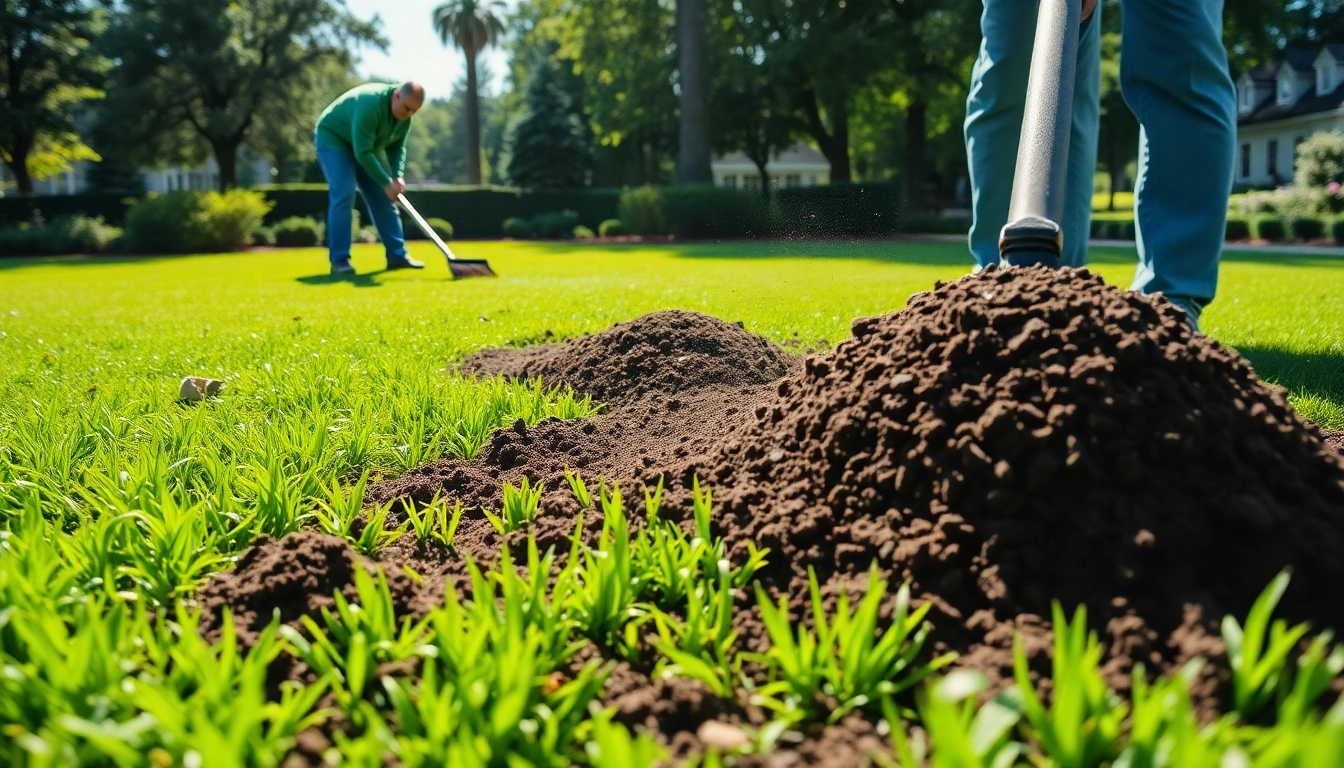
<point>407,100</point>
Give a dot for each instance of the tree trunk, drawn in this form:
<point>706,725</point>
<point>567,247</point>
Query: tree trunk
<point>834,144</point>
<point>765,180</point>
<point>693,152</point>
<point>915,134</point>
<point>226,154</point>
<point>19,167</point>
<point>473,123</point>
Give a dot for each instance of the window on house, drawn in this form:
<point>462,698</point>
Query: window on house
<point>730,180</point>
<point>1322,81</point>
<point>1272,157</point>
<point>1285,89</point>
<point>751,182</point>
<point>793,180</point>
<point>1246,96</point>
<point>1245,161</point>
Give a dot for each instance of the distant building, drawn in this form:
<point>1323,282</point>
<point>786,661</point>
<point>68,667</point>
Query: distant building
<point>252,170</point>
<point>797,166</point>
<point>1279,106</point>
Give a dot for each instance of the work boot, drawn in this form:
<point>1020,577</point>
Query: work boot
<point>342,268</point>
<point>1192,309</point>
<point>407,263</point>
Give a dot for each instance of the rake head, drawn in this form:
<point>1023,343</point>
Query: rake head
<point>470,268</point>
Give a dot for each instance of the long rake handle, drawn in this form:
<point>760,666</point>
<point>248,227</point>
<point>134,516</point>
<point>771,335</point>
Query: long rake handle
<point>1033,234</point>
<point>424,226</point>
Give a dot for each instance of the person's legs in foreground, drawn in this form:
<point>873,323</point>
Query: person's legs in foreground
<point>1174,76</point>
<point>339,168</point>
<point>994,126</point>
<point>386,219</point>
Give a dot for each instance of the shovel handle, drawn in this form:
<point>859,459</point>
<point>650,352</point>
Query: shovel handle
<point>1033,234</point>
<point>424,226</point>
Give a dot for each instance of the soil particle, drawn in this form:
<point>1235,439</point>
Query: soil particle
<point>295,576</point>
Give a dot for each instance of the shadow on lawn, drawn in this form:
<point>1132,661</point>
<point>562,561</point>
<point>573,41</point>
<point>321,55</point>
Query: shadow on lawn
<point>361,280</point>
<point>1310,373</point>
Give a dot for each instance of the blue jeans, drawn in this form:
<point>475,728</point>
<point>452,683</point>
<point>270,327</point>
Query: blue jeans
<point>343,175</point>
<point>1174,77</point>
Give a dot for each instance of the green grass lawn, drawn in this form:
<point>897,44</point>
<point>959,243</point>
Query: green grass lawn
<point>117,499</point>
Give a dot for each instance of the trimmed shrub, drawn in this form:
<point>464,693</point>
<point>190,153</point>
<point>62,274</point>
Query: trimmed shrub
<point>1237,229</point>
<point>933,225</point>
<point>1307,229</point>
<point>263,236</point>
<point>1269,228</point>
<point>1125,230</point>
<point>367,235</point>
<point>1320,160</point>
<point>844,209</point>
<point>583,232</point>
<point>61,235</point>
<point>1337,231</point>
<point>555,225</point>
<point>180,222</point>
<point>517,228</point>
<point>612,228</point>
<point>1097,229</point>
<point>441,228</point>
<point>642,211</point>
<point>298,232</point>
<point>705,211</point>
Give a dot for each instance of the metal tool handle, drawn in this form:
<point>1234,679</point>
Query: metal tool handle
<point>1033,234</point>
<point>424,226</point>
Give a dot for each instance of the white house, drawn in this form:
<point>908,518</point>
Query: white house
<point>1279,106</point>
<point>797,166</point>
<point>252,170</point>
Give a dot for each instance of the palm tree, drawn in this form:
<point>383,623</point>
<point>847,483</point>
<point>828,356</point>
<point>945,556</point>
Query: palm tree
<point>471,25</point>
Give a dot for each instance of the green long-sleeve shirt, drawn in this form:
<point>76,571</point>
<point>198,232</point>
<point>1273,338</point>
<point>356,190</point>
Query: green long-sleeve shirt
<point>361,121</point>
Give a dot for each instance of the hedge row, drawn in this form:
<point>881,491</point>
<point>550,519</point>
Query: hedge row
<point>1271,228</point>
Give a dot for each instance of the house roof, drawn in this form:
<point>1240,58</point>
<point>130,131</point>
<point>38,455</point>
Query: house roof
<point>1267,110</point>
<point>1262,74</point>
<point>1336,50</point>
<point>800,154</point>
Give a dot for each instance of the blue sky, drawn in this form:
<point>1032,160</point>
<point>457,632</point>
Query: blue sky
<point>415,52</point>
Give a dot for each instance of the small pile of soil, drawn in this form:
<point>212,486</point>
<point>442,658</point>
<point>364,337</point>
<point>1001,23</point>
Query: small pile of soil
<point>670,352</point>
<point>673,384</point>
<point>1334,438</point>
<point>296,576</point>
<point>1023,436</point>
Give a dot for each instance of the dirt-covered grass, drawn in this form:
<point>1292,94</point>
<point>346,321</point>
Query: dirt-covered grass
<point>117,501</point>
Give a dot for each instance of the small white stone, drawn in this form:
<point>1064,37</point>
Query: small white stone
<point>713,733</point>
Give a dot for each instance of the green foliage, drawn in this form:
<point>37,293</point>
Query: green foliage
<point>298,232</point>
<point>1320,160</point>
<point>583,232</point>
<point>839,209</point>
<point>1307,229</point>
<point>548,145</point>
<point>1082,726</point>
<point>555,225</point>
<point>1337,231</point>
<point>64,234</point>
<point>180,222</point>
<point>612,228</point>
<point>962,735</point>
<point>695,212</point>
<point>441,228</point>
<point>521,504</point>
<point>517,228</point>
<point>263,236</point>
<point>1237,229</point>
<point>846,659</point>
<point>642,211</point>
<point>1269,228</point>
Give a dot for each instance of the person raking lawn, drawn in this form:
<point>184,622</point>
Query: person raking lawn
<point>359,131</point>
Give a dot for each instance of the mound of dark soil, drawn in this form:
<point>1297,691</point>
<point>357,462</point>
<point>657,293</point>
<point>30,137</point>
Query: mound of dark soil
<point>1334,438</point>
<point>669,352</point>
<point>1020,437</point>
<point>295,576</point>
<point>674,383</point>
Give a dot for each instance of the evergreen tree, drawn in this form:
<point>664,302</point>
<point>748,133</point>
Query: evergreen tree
<point>548,146</point>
